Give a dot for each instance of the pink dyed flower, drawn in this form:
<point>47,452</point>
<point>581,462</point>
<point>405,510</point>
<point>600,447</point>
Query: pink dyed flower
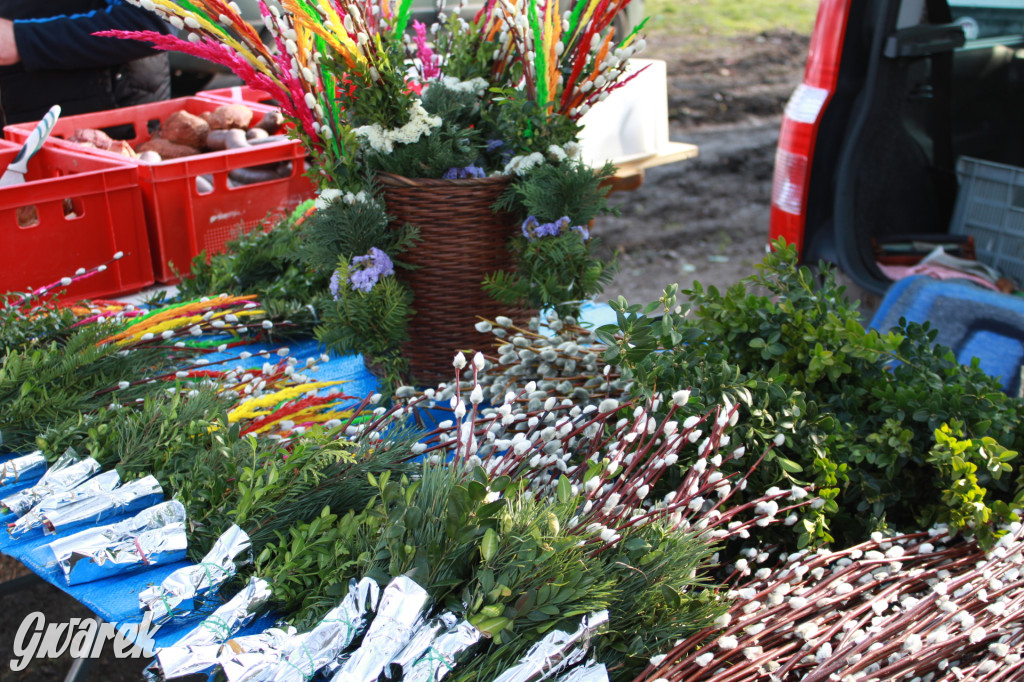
<point>426,56</point>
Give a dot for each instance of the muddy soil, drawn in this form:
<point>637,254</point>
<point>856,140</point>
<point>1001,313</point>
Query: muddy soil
<point>705,219</point>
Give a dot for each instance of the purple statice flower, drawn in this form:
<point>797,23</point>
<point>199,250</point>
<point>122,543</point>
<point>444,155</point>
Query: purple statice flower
<point>534,229</point>
<point>494,144</point>
<point>553,229</point>
<point>469,171</point>
<point>335,283</point>
<point>367,270</point>
<point>529,225</point>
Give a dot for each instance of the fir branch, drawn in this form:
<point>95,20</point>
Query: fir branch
<point>345,229</point>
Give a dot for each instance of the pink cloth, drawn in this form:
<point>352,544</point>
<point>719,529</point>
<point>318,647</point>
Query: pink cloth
<point>895,272</point>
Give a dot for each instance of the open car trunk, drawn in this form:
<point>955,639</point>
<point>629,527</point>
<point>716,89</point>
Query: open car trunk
<point>921,83</point>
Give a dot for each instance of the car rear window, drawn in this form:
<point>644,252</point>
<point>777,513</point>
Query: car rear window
<point>986,20</point>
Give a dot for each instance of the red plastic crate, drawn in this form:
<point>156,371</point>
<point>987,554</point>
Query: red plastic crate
<point>74,211</point>
<point>243,94</point>
<point>183,221</point>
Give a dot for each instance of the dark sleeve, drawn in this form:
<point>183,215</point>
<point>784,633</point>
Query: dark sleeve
<point>66,41</point>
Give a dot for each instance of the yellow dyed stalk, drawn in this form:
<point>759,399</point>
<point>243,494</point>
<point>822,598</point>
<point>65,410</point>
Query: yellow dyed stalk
<point>177,311</point>
<point>306,417</point>
<point>156,330</point>
<point>340,42</point>
<point>246,409</point>
<point>588,13</point>
<point>322,413</point>
<point>331,15</point>
<point>552,33</point>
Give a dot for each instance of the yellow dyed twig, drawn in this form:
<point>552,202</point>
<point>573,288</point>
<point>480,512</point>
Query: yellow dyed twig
<point>247,410</point>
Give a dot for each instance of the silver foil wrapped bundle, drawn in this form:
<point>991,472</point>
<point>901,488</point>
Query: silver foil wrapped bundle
<point>402,609</point>
<point>341,626</point>
<point>418,644</point>
<point>93,539</point>
<point>300,657</point>
<point>590,672</point>
<point>127,499</point>
<point>556,651</point>
<point>159,546</point>
<point>442,655</point>
<point>176,595</point>
<point>66,473</point>
<point>35,517</point>
<point>199,648</point>
<point>21,468</point>
<point>255,654</point>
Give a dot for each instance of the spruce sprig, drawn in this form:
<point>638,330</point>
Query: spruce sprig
<point>347,229</point>
<point>265,262</point>
<point>44,385</point>
<point>374,323</point>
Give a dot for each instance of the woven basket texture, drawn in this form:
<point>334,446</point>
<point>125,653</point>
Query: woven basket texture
<point>462,240</point>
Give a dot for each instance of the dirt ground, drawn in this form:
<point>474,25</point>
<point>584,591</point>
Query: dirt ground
<point>705,219</point>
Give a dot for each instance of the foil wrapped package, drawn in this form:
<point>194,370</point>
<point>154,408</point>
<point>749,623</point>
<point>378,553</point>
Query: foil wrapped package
<point>92,539</point>
<point>66,473</point>
<point>401,611</point>
<point>127,499</point>
<point>335,632</point>
<point>176,595</point>
<point>418,644</point>
<point>164,545</point>
<point>199,648</point>
<point>22,468</point>
<point>35,517</point>
<point>257,654</point>
<point>591,672</point>
<point>557,651</point>
<point>442,655</point>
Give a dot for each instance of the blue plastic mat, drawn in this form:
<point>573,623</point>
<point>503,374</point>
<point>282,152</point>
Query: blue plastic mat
<point>116,599</point>
<point>973,322</point>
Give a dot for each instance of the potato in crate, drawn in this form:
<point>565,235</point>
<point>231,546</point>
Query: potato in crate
<point>73,212</point>
<point>196,197</point>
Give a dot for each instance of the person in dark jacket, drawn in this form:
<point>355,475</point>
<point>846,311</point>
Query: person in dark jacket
<point>49,56</point>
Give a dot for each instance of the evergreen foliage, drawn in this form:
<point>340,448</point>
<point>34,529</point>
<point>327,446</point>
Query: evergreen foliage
<point>514,566</point>
<point>26,322</point>
<point>165,433</point>
<point>263,262</point>
<point>523,125</point>
<point>552,271</point>
<point>349,227</point>
<point>857,411</point>
<point>374,323</point>
<point>456,144</point>
<point>562,270</point>
<point>44,384</point>
<point>550,191</point>
<point>267,262</point>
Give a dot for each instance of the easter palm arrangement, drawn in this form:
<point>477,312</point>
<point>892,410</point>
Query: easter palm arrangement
<point>451,180</point>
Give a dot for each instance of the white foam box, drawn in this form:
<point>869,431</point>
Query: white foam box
<point>632,123</point>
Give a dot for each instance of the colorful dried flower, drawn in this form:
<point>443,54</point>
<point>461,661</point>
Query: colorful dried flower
<point>367,270</point>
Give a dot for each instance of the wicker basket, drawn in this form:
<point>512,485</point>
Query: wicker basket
<point>462,241</point>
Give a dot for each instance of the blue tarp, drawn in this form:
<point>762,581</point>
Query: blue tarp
<point>972,321</point>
